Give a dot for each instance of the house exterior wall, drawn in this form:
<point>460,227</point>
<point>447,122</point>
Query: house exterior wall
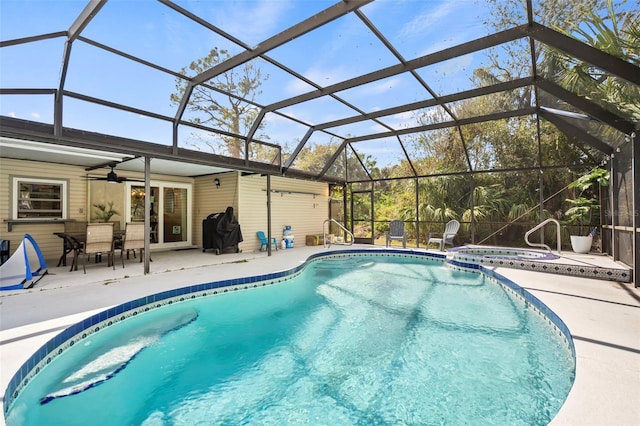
<point>303,205</point>
<point>296,207</point>
<point>82,195</point>
<point>210,199</point>
<point>50,245</point>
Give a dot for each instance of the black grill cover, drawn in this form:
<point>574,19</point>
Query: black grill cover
<point>221,231</point>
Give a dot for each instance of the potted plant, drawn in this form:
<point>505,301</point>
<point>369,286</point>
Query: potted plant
<point>104,212</point>
<point>585,207</point>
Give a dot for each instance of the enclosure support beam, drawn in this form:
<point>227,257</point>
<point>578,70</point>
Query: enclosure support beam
<point>269,215</point>
<point>635,188</point>
<point>417,212</point>
<point>147,215</point>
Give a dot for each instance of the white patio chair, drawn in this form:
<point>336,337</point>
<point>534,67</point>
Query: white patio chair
<point>446,238</point>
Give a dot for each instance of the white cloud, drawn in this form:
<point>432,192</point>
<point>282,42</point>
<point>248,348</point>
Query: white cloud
<point>423,22</point>
<point>323,77</point>
<point>404,116</point>
<point>455,66</point>
<point>326,76</point>
<point>277,118</point>
<point>35,115</point>
<point>381,87</point>
<point>257,22</point>
<point>401,120</point>
<point>296,87</point>
<point>12,114</point>
<point>377,128</point>
<point>454,40</point>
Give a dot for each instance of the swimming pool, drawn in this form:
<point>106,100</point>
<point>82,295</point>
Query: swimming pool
<point>341,341</point>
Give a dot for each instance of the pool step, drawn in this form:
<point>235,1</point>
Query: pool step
<point>343,263</point>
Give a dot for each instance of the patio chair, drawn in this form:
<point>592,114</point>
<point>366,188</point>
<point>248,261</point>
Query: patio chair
<point>99,240</point>
<point>264,243</point>
<point>75,227</point>
<point>396,232</point>
<point>132,240</point>
<point>446,238</point>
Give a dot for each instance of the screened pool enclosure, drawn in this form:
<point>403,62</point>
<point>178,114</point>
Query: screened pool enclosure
<point>482,111</point>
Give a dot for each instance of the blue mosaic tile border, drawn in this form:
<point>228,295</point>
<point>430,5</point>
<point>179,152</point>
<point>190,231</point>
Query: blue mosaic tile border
<point>502,253</point>
<point>551,318</point>
<point>475,256</point>
<point>81,330</point>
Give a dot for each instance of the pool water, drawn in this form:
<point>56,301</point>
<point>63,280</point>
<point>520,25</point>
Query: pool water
<point>351,341</point>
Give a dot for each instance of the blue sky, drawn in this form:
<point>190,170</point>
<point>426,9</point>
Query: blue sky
<point>341,50</point>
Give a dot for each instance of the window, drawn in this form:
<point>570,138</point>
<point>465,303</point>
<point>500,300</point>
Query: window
<point>39,198</point>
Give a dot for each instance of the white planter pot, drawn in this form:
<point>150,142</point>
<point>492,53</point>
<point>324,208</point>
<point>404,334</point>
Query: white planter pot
<point>581,244</point>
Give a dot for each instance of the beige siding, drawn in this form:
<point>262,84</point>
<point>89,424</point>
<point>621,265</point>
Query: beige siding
<point>50,244</point>
<point>304,205</point>
<point>82,195</point>
<point>301,204</point>
<point>211,199</point>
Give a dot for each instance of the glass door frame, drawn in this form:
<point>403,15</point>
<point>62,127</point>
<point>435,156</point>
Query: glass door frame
<point>159,210</point>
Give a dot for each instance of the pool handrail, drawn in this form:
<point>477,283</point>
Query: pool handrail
<point>535,228</point>
<point>327,241</point>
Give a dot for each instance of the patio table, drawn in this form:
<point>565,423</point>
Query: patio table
<point>72,242</point>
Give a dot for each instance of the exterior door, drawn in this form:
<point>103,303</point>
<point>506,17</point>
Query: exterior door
<point>170,212</point>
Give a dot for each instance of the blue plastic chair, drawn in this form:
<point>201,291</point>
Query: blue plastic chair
<point>264,243</point>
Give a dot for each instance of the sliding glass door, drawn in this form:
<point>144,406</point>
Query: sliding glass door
<point>170,212</point>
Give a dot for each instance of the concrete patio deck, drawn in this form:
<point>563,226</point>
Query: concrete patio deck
<point>603,316</point>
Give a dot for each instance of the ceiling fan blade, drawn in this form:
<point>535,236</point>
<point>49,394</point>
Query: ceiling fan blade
<point>112,177</point>
<point>123,179</point>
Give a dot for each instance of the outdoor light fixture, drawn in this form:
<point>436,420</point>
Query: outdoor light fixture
<point>216,182</point>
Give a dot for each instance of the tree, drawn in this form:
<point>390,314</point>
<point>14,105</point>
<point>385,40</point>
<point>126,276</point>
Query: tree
<point>232,109</point>
<point>617,34</point>
<point>585,206</point>
<point>559,14</point>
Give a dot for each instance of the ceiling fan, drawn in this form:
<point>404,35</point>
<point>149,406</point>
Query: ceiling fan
<point>112,177</point>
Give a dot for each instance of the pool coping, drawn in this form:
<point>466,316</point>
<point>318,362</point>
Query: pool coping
<point>83,329</point>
